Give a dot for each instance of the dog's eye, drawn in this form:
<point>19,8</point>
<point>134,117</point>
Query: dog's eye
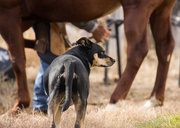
<point>102,52</point>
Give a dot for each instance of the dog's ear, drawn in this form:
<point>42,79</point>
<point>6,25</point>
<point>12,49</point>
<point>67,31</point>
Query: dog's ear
<point>84,42</point>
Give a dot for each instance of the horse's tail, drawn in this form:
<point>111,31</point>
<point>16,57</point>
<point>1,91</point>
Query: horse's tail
<point>69,71</point>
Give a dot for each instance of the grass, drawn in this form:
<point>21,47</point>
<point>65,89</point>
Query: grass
<point>126,116</point>
<point>129,114</point>
<point>166,121</point>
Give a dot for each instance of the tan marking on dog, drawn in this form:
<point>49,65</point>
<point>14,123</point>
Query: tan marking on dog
<point>74,75</point>
<point>64,75</point>
<point>98,61</point>
<point>83,42</point>
<point>108,60</point>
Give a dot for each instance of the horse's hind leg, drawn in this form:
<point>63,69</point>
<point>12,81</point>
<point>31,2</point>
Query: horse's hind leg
<point>161,29</point>
<point>10,30</point>
<point>135,21</point>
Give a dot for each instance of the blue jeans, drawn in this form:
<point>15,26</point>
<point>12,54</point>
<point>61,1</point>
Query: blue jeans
<point>40,98</point>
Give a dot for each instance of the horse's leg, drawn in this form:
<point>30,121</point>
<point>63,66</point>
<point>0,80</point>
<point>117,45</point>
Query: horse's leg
<point>11,32</point>
<point>135,23</point>
<point>161,29</point>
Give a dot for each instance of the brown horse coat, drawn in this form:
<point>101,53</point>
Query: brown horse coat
<point>18,15</point>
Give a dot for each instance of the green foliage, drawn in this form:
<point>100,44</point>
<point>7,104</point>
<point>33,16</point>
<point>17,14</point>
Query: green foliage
<point>167,121</point>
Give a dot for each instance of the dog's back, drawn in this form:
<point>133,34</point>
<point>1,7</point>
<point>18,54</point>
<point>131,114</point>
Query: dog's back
<point>69,70</point>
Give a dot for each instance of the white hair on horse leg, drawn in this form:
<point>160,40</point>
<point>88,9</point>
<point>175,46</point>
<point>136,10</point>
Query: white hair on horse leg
<point>152,102</point>
<point>168,57</point>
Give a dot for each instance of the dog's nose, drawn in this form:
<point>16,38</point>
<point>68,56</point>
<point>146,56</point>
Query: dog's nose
<point>113,60</point>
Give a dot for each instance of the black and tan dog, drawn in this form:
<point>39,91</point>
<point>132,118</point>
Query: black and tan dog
<point>67,79</point>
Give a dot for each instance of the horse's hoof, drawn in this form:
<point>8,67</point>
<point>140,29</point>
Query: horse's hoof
<point>110,107</point>
<point>153,102</point>
<point>19,106</point>
<point>14,110</point>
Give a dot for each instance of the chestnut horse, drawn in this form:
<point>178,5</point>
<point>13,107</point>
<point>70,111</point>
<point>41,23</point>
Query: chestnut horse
<point>18,15</point>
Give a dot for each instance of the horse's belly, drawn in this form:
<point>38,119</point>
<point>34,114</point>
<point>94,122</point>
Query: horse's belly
<point>74,10</point>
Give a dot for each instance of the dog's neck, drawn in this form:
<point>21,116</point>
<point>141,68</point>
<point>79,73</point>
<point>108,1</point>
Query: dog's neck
<point>81,53</point>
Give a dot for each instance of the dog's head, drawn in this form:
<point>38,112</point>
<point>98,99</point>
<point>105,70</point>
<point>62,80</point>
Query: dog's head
<point>95,53</point>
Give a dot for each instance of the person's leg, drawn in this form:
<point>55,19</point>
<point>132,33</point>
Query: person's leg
<point>40,97</point>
